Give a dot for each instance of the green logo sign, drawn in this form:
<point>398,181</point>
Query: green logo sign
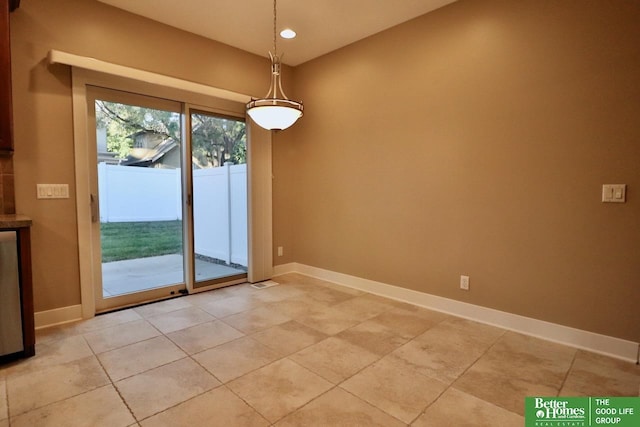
<point>582,411</point>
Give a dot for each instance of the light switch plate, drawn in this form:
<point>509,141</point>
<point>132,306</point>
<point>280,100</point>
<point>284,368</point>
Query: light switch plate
<point>52,191</point>
<point>614,193</point>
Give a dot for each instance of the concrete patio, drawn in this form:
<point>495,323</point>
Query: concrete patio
<point>128,276</point>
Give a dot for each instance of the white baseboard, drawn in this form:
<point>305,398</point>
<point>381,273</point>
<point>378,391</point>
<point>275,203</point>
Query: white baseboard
<point>281,269</point>
<point>58,316</point>
<point>597,343</point>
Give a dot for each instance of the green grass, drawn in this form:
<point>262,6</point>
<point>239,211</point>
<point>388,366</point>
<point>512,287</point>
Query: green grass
<point>131,240</point>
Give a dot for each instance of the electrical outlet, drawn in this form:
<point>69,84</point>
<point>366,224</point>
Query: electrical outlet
<point>280,251</point>
<point>464,283</point>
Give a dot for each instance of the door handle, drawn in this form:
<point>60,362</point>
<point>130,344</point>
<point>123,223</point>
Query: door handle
<point>95,215</point>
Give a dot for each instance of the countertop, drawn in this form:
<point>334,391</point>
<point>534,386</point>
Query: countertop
<point>14,221</point>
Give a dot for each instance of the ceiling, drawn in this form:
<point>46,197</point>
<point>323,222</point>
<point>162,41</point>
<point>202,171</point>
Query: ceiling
<point>322,25</point>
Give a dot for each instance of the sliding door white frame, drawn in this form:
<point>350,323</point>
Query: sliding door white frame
<point>258,163</point>
<point>260,203</point>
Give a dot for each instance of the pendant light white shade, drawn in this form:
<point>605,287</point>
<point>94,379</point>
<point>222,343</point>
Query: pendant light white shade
<point>275,111</point>
<point>274,114</point>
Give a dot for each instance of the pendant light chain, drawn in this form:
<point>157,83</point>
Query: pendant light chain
<point>275,29</point>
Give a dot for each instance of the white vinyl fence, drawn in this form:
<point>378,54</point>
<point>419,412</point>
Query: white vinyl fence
<point>137,194</point>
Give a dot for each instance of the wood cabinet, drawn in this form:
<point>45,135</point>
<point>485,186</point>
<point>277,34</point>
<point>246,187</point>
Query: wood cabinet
<point>6,119</point>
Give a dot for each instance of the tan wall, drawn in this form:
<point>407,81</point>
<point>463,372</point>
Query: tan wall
<point>43,114</point>
<point>475,140</point>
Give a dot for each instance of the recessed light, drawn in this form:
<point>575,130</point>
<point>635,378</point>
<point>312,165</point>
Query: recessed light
<point>288,33</point>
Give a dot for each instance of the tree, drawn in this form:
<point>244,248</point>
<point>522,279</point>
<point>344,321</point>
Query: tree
<point>124,121</point>
<point>215,140</point>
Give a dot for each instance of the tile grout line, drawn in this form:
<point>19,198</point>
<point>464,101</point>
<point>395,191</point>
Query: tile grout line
<point>175,405</point>
<point>224,384</point>
<point>429,377</point>
<point>566,375</point>
<point>484,353</point>
<point>68,397</point>
<point>125,345</point>
<point>335,386</point>
<point>374,406</point>
<point>451,385</point>
<point>146,370</point>
<point>245,402</point>
<point>75,325</point>
<point>424,410</point>
<point>111,381</point>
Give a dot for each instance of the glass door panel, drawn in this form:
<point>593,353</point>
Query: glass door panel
<point>219,177</point>
<point>139,183</point>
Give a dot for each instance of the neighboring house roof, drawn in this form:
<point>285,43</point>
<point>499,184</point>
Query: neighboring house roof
<point>107,157</point>
<point>146,157</point>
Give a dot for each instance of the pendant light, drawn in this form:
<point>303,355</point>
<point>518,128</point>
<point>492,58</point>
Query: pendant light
<point>275,111</point>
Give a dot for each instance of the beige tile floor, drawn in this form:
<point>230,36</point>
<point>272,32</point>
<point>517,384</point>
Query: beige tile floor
<point>303,353</point>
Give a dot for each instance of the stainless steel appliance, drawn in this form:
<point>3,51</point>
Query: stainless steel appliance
<point>11,338</point>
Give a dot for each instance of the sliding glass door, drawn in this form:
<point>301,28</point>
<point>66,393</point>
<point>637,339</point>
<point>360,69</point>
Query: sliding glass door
<point>219,177</point>
<point>169,198</point>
